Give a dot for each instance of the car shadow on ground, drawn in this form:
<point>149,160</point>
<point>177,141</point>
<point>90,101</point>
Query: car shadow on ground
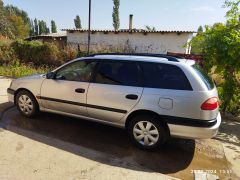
<point>101,143</point>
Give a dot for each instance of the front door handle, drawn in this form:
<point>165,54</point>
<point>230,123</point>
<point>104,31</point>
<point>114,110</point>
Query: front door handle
<point>132,96</point>
<point>80,90</point>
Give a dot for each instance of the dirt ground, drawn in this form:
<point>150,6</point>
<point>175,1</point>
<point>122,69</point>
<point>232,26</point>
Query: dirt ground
<point>229,135</point>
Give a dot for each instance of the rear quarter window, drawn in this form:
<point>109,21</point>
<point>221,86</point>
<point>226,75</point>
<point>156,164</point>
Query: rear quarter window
<point>204,76</point>
<point>164,76</point>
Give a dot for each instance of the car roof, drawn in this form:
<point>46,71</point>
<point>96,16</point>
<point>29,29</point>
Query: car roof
<point>142,59</point>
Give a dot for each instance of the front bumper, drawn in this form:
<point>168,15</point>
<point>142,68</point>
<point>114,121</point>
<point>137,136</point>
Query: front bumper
<point>11,93</point>
<point>191,132</point>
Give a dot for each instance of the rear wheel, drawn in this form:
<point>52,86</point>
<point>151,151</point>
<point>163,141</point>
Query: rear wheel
<point>147,132</point>
<point>27,104</point>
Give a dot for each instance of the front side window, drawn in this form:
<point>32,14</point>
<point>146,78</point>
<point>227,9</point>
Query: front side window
<point>118,73</point>
<point>76,71</point>
<point>164,76</point>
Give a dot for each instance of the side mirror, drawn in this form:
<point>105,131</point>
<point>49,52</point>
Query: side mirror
<point>50,75</point>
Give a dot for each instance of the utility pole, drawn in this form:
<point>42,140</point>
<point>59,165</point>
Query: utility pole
<point>89,25</point>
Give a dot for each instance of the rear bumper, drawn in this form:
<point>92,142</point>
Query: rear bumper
<point>10,95</point>
<point>193,132</point>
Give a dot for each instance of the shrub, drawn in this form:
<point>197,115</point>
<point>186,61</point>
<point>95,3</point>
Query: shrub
<point>234,104</point>
<point>16,69</point>
<point>6,52</point>
<point>69,53</point>
<point>37,52</point>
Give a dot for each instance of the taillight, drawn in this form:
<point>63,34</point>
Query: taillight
<point>210,104</point>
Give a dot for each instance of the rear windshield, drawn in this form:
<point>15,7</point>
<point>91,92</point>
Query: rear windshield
<point>204,76</point>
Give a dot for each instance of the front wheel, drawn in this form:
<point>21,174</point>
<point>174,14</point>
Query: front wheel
<point>147,132</point>
<point>27,104</point>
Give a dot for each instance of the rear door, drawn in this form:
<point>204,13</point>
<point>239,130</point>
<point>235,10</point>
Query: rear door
<point>115,90</point>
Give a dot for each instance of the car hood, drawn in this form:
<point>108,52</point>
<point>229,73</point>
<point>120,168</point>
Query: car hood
<point>31,77</point>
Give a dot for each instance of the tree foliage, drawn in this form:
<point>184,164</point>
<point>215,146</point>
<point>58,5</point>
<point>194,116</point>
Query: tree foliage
<point>21,30</point>
<point>5,26</point>
<point>19,20</point>
<point>233,6</point>
<point>115,14</point>
<point>36,31</point>
<point>13,10</point>
<point>220,46</point>
<point>43,29</point>
<point>77,22</point>
<point>14,22</point>
<point>200,29</point>
<point>149,28</point>
<point>53,27</point>
<point>32,32</point>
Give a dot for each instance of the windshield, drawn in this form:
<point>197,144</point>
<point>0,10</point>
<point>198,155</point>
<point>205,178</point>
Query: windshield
<point>204,76</point>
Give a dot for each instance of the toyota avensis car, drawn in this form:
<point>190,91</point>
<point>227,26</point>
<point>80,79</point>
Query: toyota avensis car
<point>153,96</point>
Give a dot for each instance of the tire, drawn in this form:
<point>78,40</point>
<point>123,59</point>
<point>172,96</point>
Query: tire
<point>147,132</point>
<point>27,104</point>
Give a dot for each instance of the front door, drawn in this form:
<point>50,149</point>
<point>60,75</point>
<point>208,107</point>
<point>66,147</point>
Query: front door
<point>67,92</point>
<point>115,90</point>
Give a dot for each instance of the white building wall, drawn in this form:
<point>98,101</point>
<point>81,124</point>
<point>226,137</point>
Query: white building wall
<point>136,42</point>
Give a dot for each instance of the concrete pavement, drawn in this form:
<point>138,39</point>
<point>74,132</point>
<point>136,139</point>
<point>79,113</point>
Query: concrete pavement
<point>58,147</point>
<point>28,155</point>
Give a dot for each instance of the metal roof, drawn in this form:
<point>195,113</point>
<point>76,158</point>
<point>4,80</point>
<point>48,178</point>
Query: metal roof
<point>128,31</point>
<point>50,35</point>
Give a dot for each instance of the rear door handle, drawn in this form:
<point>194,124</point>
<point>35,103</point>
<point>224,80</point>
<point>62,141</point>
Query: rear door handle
<point>80,90</point>
<point>132,96</point>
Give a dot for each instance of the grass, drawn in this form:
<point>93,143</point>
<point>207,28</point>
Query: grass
<point>21,70</point>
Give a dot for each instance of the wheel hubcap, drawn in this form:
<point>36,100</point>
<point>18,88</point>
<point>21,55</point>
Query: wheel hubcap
<point>25,104</point>
<point>146,133</point>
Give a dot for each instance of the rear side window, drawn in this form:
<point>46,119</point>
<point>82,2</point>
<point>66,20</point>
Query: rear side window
<point>204,76</point>
<point>164,76</point>
<point>118,73</point>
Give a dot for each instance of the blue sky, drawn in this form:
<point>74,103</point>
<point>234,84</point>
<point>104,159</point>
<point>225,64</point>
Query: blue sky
<point>164,15</point>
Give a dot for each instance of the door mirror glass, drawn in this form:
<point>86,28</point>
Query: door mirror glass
<point>50,75</point>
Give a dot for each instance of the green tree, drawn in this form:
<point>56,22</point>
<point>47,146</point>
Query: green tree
<point>233,6</point>
<point>42,26</point>
<point>6,27</point>
<point>220,46</point>
<point>18,12</point>
<point>77,22</point>
<point>36,30</point>
<point>21,30</point>
<point>31,33</point>
<point>53,27</point>
<point>19,19</point>
<point>149,28</point>
<point>115,14</point>
<point>200,29</point>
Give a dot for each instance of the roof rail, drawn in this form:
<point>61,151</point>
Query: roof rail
<point>169,58</point>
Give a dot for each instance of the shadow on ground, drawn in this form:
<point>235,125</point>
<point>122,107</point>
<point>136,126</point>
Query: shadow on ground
<point>111,143</point>
<point>229,132</point>
<point>3,107</point>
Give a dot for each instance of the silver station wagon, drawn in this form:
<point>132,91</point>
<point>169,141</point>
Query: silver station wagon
<point>153,96</point>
